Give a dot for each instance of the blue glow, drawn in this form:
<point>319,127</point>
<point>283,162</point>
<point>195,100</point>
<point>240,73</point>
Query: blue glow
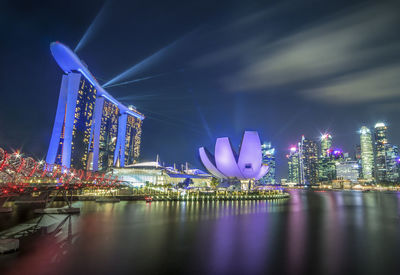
<point>89,78</point>
<point>134,114</point>
<point>110,99</point>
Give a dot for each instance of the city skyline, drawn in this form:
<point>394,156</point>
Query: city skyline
<point>183,90</point>
<point>374,160</point>
<point>200,137</point>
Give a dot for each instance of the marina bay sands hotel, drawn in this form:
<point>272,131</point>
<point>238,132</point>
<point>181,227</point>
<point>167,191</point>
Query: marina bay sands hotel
<point>92,130</point>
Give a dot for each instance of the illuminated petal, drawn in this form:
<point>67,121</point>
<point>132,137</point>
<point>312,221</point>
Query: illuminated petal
<point>250,157</point>
<point>208,161</point>
<point>225,158</point>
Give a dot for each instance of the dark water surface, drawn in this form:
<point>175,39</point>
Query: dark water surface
<point>310,233</point>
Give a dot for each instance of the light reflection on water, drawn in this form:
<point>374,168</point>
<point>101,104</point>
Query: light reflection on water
<point>310,233</point>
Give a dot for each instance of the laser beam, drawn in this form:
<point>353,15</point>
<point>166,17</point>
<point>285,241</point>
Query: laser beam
<point>148,60</point>
<point>137,80</point>
<point>201,116</point>
<point>92,27</point>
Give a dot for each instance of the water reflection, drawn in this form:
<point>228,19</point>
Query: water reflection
<point>310,233</point>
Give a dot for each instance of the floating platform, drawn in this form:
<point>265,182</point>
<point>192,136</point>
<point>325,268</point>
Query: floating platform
<point>5,209</point>
<point>106,199</point>
<point>64,210</point>
<point>9,245</point>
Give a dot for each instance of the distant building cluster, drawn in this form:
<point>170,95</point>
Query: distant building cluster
<point>375,160</point>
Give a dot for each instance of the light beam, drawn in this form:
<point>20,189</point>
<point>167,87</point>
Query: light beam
<point>92,27</point>
<point>147,61</point>
<point>137,80</point>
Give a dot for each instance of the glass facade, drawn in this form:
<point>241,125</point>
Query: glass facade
<point>132,139</point>
<point>347,170</point>
<point>294,166</point>
<point>380,159</point>
<point>326,169</point>
<point>309,161</point>
<point>326,163</point>
<point>108,135</point>
<point>268,157</point>
<point>392,163</point>
<point>357,157</point>
<point>367,153</point>
<point>83,119</point>
<point>326,144</point>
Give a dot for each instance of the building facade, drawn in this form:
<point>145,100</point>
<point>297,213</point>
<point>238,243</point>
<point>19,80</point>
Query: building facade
<point>326,144</point>
<point>347,170</point>
<point>367,153</point>
<point>294,166</point>
<point>326,162</point>
<point>308,161</point>
<point>268,158</point>
<point>380,151</point>
<point>392,163</point>
<point>92,131</point>
<point>357,157</point>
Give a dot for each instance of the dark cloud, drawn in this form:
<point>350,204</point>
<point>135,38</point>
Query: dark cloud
<point>335,59</point>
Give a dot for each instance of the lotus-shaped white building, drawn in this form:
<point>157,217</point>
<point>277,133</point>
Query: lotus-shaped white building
<point>226,164</point>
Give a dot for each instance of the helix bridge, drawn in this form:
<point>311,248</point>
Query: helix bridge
<point>21,175</point>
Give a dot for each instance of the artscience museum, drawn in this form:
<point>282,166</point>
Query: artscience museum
<point>225,163</point>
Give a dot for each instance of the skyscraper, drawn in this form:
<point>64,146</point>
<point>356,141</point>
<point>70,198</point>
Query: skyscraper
<point>326,144</point>
<point>380,150</point>
<point>92,130</point>
<point>294,165</point>
<point>268,157</point>
<point>392,163</point>
<point>326,162</point>
<point>367,153</point>
<point>308,161</point>
<point>357,157</point>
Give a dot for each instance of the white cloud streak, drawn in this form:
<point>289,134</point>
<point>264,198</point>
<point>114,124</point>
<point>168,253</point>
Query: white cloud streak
<point>342,59</point>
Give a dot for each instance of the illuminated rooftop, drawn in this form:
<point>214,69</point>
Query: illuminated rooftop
<point>70,62</point>
<point>380,124</point>
<point>364,130</point>
<point>326,136</point>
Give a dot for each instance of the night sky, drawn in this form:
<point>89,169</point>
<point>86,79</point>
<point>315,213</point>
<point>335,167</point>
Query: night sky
<point>210,69</point>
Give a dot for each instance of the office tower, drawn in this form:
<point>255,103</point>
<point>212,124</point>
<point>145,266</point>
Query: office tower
<point>347,170</point>
<point>357,157</point>
<point>380,154</point>
<point>268,157</point>
<point>392,163</point>
<point>367,153</point>
<point>92,130</point>
<point>294,165</point>
<point>308,161</point>
<point>326,163</point>
<point>326,144</point>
